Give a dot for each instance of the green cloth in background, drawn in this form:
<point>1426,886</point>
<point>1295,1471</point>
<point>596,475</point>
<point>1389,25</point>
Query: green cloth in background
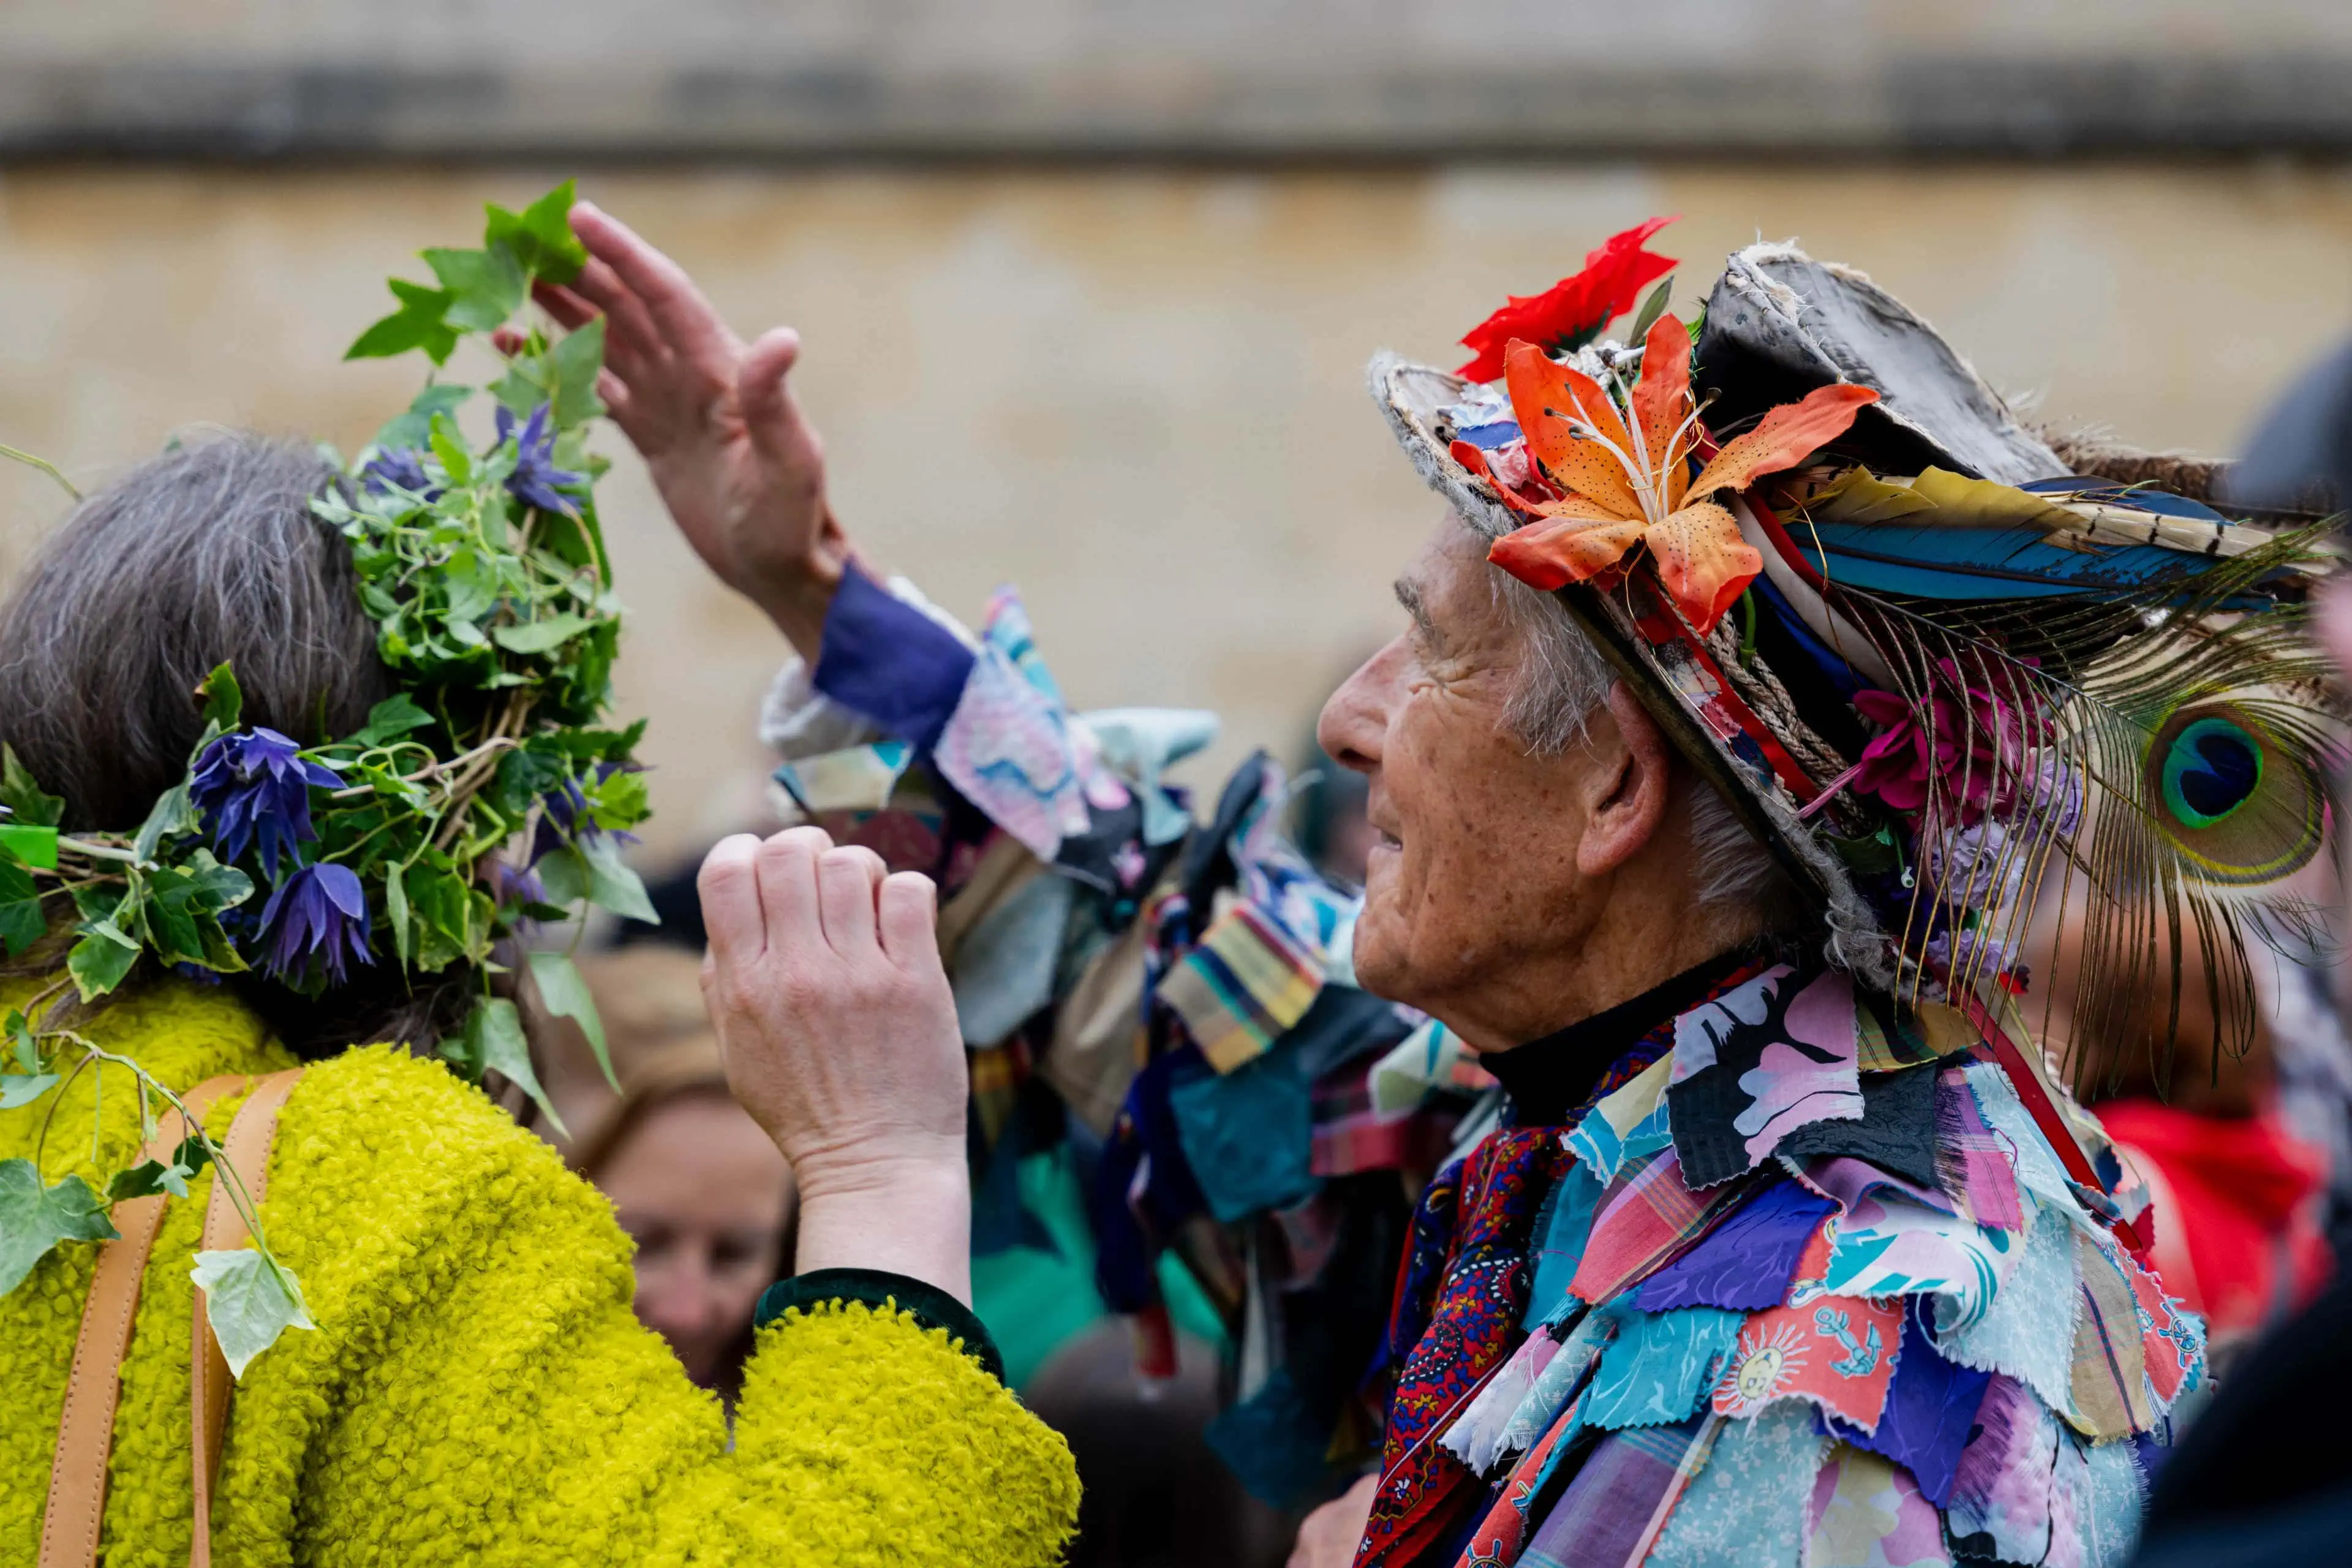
<point>1034,1300</point>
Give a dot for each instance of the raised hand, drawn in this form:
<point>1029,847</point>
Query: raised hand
<point>839,1035</point>
<point>738,463</point>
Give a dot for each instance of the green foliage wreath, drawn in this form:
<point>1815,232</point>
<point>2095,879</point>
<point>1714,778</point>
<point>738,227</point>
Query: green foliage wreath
<point>486,574</point>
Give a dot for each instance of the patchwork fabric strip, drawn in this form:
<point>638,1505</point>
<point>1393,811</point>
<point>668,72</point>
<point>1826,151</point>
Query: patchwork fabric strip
<point>2029,1331</point>
<point>1837,1352</point>
<point>1630,1122</point>
<point>1747,1508</point>
<point>1931,1407</point>
<point>1895,1133</point>
<point>1972,1165</point>
<point>1746,1263</point>
<point>2109,1384</point>
<point>1646,1216</point>
<point>1868,1513</point>
<point>1008,749</point>
<point>1630,1481</point>
<point>1661,1367</point>
<point>2000,1503</point>
<point>1893,1239</point>
<point>1756,1064</point>
<point>1498,1537</point>
<point>1242,986</point>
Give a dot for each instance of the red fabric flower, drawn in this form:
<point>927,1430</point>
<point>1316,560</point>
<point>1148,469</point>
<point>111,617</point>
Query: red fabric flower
<point>1974,742</point>
<point>1571,313</point>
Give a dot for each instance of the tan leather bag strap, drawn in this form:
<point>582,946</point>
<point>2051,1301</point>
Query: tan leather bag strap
<point>69,1524</point>
<point>245,1151</point>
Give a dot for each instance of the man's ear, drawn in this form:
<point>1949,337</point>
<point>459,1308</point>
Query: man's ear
<point>1629,789</point>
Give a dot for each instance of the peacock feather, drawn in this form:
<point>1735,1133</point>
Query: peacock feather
<point>2114,705</point>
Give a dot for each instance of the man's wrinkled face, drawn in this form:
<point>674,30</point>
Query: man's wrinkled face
<point>1473,867</point>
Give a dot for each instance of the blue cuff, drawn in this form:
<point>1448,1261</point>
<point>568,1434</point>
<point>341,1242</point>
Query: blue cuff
<point>889,662</point>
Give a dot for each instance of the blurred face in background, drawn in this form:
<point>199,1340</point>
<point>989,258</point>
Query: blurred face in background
<point>705,1194</point>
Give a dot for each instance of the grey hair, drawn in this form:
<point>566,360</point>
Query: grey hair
<point>206,554</point>
<point>1561,680</point>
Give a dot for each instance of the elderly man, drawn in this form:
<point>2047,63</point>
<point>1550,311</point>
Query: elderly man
<point>1716,773</point>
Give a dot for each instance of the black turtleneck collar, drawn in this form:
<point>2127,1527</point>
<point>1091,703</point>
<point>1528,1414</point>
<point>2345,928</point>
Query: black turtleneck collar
<point>1549,1077</point>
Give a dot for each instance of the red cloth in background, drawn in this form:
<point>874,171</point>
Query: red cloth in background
<point>2236,1210</point>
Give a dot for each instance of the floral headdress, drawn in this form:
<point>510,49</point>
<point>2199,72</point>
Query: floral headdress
<point>1927,664</point>
<point>308,858</point>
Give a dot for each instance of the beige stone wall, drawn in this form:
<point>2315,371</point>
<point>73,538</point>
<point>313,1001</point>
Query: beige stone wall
<point>1136,394</point>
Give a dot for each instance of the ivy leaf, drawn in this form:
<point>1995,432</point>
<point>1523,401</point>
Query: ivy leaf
<point>541,636</point>
<point>22,922</point>
<point>485,286</point>
<point>563,876</point>
<point>27,806</point>
<point>217,887</point>
<point>411,428</point>
<point>418,324</point>
<point>34,1218</point>
<point>100,959</point>
<point>450,446</point>
<point>174,816</point>
<point>572,364</point>
<point>564,993</point>
<point>524,774</point>
<point>152,1176</point>
<point>493,1041</point>
<point>395,909</point>
<point>23,1089</point>
<point>223,699</point>
<point>249,1300</point>
<point>393,717</point>
<point>25,1048</point>
<point>540,235</point>
<point>612,886</point>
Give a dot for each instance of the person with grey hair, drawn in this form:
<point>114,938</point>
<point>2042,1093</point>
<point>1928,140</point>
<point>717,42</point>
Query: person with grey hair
<point>463,1380</point>
<point>1748,686</point>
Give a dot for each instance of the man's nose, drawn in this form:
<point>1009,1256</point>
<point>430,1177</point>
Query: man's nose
<point>1352,723</point>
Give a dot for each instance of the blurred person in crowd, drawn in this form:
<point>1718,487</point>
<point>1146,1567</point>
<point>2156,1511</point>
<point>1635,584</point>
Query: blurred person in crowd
<point>461,1379</point>
<point>2262,1480</point>
<point>1693,844</point>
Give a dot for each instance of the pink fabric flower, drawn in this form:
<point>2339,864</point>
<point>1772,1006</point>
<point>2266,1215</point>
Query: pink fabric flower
<point>1965,744</point>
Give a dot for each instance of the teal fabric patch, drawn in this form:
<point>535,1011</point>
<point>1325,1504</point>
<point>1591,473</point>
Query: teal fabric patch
<point>1747,1508</point>
<point>1034,1300</point>
<point>1661,1365</point>
<point>1562,1246</point>
<point>2028,1333</point>
<point>1249,1134</point>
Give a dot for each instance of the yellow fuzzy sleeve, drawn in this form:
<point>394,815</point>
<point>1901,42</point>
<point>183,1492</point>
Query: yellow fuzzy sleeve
<point>480,1392</point>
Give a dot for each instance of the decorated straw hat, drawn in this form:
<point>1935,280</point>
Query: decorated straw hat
<point>1935,666</point>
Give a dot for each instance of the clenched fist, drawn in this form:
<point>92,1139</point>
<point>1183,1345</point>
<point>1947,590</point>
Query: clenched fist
<point>839,1035</point>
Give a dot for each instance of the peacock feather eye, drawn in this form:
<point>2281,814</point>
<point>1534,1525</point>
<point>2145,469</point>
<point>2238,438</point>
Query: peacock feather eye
<point>2241,808</point>
<point>2212,768</point>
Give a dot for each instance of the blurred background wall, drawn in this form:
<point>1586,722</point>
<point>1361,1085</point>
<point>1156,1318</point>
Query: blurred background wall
<point>1088,285</point>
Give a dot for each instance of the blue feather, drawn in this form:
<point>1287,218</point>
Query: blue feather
<point>1940,562</point>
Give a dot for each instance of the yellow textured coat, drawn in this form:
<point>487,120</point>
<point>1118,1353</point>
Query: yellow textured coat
<point>479,1390</point>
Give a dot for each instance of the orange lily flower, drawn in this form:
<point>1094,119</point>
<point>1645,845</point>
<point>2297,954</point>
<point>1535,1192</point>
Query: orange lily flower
<point>1623,473</point>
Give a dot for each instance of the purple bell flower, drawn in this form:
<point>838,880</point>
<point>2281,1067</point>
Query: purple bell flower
<point>318,911</point>
<point>402,467</point>
<point>536,475</point>
<point>256,786</point>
